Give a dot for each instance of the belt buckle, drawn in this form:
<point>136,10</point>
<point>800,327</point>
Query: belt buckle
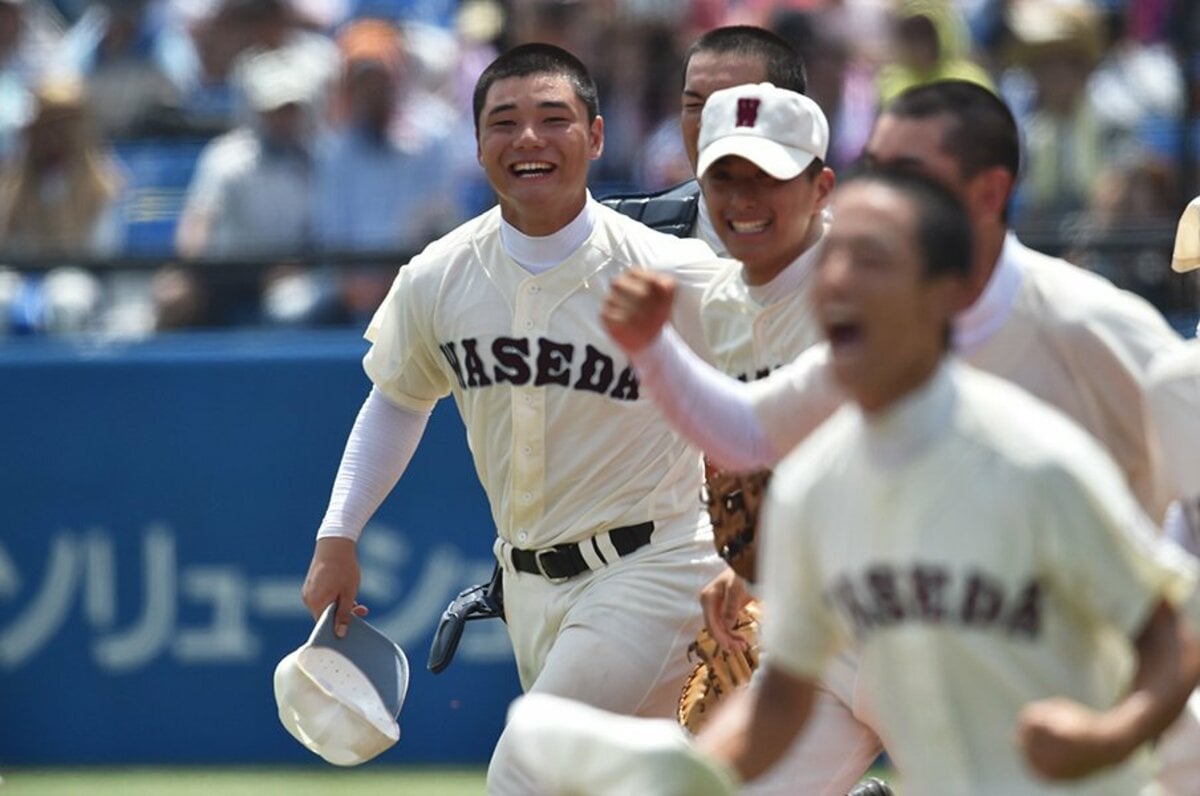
<point>537,559</point>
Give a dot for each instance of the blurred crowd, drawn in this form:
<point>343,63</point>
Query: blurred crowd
<point>327,138</point>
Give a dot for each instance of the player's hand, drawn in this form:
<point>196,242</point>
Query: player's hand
<point>333,576</point>
<point>721,601</point>
<point>637,307</point>
<point>1062,739</point>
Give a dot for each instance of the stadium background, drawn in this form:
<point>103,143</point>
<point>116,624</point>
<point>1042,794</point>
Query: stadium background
<point>175,404</point>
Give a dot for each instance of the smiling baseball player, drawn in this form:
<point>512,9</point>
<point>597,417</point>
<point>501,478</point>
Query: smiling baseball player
<point>600,537</point>
<point>765,185</point>
<point>937,520</point>
<point>1066,335</point>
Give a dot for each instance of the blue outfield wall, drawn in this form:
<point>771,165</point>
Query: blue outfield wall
<point>161,500</point>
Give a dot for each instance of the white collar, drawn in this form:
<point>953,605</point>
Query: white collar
<point>795,274</point>
<point>538,254</point>
<point>908,427</point>
<point>975,325</point>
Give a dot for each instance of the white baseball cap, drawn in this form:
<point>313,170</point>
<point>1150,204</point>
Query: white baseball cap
<point>777,130</point>
<point>276,78</point>
<point>1187,239</point>
<point>341,697</point>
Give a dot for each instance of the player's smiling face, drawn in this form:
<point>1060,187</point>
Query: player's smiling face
<point>764,222</point>
<point>885,319</point>
<point>535,144</point>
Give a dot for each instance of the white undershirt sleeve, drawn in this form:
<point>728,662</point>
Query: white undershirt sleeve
<point>381,444</point>
<point>713,411</point>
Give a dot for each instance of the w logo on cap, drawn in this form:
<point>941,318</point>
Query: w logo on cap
<point>747,111</point>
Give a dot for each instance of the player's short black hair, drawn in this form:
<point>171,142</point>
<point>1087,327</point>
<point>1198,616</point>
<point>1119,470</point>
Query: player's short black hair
<point>943,226</point>
<point>538,59</point>
<point>784,66</point>
<point>983,133</point>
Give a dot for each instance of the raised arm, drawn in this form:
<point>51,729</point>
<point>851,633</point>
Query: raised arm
<point>740,426</point>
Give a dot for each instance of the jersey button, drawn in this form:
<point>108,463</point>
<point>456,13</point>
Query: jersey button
<point>527,497</point>
<point>528,325</point>
<point>527,450</point>
<point>527,399</point>
<point>522,536</point>
<point>534,289</point>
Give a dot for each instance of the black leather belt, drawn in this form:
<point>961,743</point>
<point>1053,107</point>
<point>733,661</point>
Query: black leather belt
<point>566,561</point>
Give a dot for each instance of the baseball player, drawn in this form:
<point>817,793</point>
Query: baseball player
<point>601,540</point>
<point>721,58</point>
<point>937,519</point>
<point>1067,336</point>
<point>1174,401</point>
<point>764,182</point>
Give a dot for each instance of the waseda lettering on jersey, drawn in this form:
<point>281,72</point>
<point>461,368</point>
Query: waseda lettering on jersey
<point>882,596</point>
<point>539,361</point>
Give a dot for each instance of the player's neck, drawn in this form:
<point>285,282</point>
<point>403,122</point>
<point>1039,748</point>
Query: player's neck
<point>538,253</point>
<point>989,243</point>
<point>538,221</point>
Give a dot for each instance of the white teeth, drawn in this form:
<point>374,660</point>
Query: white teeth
<point>744,227</point>
<point>532,165</point>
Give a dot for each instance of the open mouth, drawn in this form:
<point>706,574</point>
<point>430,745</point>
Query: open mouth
<point>842,328</point>
<point>843,334</point>
<point>531,169</point>
<point>749,227</point>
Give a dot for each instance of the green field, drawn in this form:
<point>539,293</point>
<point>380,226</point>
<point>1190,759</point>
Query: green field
<point>248,781</point>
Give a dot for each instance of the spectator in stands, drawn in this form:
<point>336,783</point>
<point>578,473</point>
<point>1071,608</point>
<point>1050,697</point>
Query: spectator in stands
<point>61,196</point>
<point>931,43</point>
<point>251,197</point>
<point>138,63</point>
<point>1127,197</point>
<point>59,199</point>
<point>251,193</point>
<point>237,31</point>
<point>28,34</point>
<point>1068,145</point>
<point>376,191</point>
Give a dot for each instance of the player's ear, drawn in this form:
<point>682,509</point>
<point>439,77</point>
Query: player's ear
<point>826,181</point>
<point>596,138</point>
<point>990,189</point>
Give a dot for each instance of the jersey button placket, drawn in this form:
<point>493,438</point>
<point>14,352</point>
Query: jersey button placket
<point>528,415</point>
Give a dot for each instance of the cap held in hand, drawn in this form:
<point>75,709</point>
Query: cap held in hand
<point>341,697</point>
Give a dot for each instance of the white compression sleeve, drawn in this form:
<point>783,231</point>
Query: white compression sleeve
<point>713,411</point>
<point>381,444</point>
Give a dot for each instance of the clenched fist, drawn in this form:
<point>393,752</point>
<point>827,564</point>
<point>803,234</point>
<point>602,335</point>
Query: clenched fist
<point>637,307</point>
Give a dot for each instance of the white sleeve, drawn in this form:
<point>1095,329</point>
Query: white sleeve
<point>740,426</point>
<point>381,444</point>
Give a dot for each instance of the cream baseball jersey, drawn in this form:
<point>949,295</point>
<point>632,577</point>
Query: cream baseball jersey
<point>983,552</point>
<point>1174,395</point>
<point>1079,343</point>
<point>751,331</point>
<point>563,443</point>
<point>1067,336</point>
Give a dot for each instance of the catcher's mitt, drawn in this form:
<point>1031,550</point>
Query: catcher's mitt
<point>734,501</point>
<point>718,671</point>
